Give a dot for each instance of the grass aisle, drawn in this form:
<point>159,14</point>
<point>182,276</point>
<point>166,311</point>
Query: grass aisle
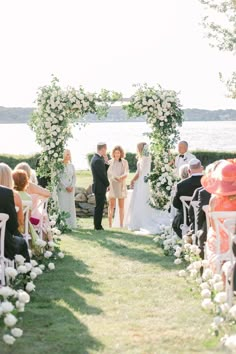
<point>114,292</point>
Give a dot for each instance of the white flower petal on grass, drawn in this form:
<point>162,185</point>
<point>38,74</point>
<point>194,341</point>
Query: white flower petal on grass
<point>10,320</point>
<point>17,332</point>
<point>177,261</point>
<point>30,287</point>
<point>10,340</point>
<point>51,266</point>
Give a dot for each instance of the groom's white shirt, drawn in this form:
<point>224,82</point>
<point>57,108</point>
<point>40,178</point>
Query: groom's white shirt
<point>180,161</point>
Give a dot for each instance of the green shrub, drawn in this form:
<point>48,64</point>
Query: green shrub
<point>206,157</point>
<point>13,160</point>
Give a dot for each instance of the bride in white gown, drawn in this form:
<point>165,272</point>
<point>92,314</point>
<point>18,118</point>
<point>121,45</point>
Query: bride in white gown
<point>141,216</point>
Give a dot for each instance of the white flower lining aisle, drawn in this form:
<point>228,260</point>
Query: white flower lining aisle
<point>201,279</point>
<point>20,283</point>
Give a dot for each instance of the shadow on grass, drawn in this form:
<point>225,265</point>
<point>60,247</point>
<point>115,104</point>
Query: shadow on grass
<point>140,249</point>
<point>52,319</point>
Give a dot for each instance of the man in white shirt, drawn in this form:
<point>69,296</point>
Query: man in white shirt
<point>184,156</point>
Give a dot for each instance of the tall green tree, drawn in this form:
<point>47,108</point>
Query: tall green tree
<point>220,25</point>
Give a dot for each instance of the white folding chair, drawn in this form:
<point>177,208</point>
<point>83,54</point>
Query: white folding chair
<point>27,205</point>
<point>205,208</point>
<point>185,204</point>
<point>230,225</point>
<point>3,260</point>
<point>194,204</point>
<point>41,209</point>
<point>220,219</point>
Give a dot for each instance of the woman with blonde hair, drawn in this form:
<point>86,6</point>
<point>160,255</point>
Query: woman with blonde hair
<point>7,181</point>
<point>66,190</point>
<point>117,174</point>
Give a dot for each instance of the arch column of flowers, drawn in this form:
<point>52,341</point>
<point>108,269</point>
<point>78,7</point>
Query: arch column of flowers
<point>164,116</point>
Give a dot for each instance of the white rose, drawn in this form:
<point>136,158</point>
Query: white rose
<point>61,255</point>
<point>17,332</point>
<point>206,293</point>
<point>51,244</point>
<point>28,266</point>
<point>42,267</point>
<point>10,320</point>
<point>22,269</point>
<point>207,274</point>
<point>204,285</point>
<point>230,343</point>
<point>47,254</point>
<point>34,263</point>
<point>224,308</point>
<point>6,292</point>
<point>23,297</point>
<point>20,306</point>
<point>220,298</point>
<point>33,275</point>
<point>219,286</point>
<point>207,304</point>
<point>10,272</point>
<point>19,259</point>
<point>58,232</point>
<point>7,306</point>
<point>8,339</point>
<point>37,270</point>
<point>30,287</point>
<point>51,266</point>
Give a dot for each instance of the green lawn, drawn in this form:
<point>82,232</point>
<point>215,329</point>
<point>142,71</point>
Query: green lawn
<point>84,178</point>
<point>114,292</point>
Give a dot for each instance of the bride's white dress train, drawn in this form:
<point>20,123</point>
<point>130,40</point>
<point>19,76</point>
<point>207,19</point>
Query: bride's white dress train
<point>139,215</point>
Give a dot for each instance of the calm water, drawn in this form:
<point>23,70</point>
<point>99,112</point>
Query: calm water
<point>19,139</point>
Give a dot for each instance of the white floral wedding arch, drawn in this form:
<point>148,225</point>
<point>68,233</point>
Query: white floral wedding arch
<point>58,109</point>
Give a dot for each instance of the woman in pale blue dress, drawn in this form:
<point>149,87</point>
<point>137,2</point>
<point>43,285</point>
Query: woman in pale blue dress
<point>66,190</point>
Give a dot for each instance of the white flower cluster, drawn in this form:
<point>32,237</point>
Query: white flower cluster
<point>167,240</point>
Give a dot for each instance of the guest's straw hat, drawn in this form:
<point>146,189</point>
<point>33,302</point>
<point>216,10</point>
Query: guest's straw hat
<point>221,179</point>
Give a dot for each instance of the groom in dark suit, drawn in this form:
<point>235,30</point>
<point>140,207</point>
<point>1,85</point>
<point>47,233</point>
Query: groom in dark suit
<point>99,168</point>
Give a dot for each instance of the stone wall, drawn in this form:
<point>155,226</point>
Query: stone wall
<point>85,202</point>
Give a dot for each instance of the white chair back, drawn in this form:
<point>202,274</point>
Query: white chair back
<point>41,209</point>
<point>230,225</point>
<point>3,221</point>
<point>27,205</point>
<point>205,208</point>
<point>185,204</point>
<point>220,220</point>
<point>194,204</point>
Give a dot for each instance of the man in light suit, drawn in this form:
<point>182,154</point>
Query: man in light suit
<point>184,156</point>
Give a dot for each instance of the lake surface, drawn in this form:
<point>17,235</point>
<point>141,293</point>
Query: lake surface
<point>218,135</point>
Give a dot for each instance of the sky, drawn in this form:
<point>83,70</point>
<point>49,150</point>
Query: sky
<point>110,44</point>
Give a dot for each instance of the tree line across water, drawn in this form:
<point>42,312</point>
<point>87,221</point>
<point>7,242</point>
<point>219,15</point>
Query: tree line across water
<point>117,114</point>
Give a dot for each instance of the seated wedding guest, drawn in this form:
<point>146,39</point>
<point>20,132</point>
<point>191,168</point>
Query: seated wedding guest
<point>66,190</point>
<point>186,188</point>
<point>37,194</point>
<point>32,187</point>
<point>21,181</point>
<point>117,174</point>
<point>7,181</point>
<point>183,157</point>
<point>14,243</point>
<point>221,184</point>
<point>184,171</point>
